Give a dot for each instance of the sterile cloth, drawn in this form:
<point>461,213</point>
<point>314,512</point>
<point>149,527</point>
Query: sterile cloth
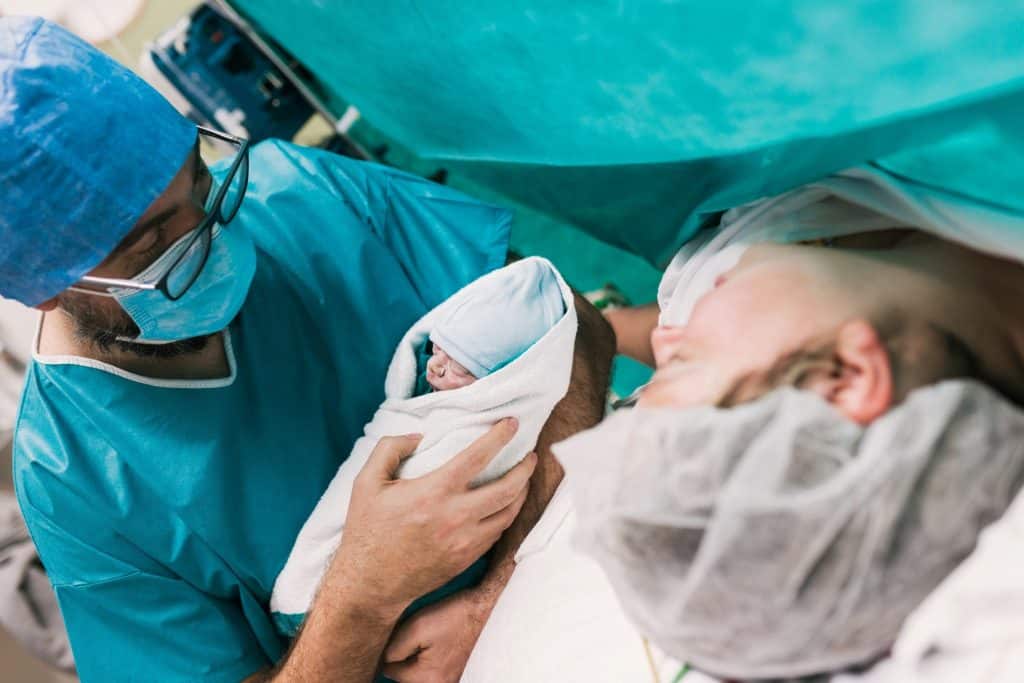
<point>559,618</point>
<point>527,389</point>
<point>859,200</point>
<point>505,316</point>
<point>635,120</point>
<point>778,538</point>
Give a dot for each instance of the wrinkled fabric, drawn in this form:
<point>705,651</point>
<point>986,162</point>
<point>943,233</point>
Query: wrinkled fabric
<point>638,120</point>
<point>856,201</point>
<point>85,148</point>
<point>28,606</point>
<point>972,627</point>
<point>780,539</point>
<point>504,317</point>
<point>164,509</point>
<point>558,619</point>
<point>527,389</point>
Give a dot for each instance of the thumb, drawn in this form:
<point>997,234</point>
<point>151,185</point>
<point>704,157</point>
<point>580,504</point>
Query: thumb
<point>405,642</point>
<point>389,453</point>
<point>399,671</point>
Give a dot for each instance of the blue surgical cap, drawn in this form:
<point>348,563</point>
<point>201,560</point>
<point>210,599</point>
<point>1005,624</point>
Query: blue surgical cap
<point>85,148</point>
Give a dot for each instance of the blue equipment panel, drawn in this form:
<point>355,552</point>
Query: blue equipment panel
<point>227,82</point>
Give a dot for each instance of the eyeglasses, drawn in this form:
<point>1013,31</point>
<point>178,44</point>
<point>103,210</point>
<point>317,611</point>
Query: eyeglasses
<point>194,249</point>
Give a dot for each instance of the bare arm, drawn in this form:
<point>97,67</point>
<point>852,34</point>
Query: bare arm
<point>582,408</point>
<point>633,327</point>
<point>402,539</point>
<point>341,643</point>
<point>435,644</point>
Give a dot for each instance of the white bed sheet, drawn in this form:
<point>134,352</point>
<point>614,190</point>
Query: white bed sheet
<point>559,620</point>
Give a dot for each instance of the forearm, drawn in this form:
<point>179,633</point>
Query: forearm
<point>340,641</point>
<point>633,327</point>
<point>581,408</point>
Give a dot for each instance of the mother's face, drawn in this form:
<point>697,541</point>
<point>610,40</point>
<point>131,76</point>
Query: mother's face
<point>776,301</point>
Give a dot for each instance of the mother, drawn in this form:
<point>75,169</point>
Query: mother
<point>857,289</point>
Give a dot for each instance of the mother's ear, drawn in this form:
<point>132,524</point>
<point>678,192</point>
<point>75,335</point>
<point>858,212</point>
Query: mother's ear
<point>861,384</point>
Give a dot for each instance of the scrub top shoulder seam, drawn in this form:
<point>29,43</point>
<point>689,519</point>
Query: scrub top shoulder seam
<point>85,585</point>
<point>113,577</point>
<point>67,359</point>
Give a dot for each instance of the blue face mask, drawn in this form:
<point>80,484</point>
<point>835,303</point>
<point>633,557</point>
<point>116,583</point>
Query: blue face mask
<point>212,301</point>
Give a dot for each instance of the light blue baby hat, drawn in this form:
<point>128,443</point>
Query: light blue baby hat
<point>501,318</point>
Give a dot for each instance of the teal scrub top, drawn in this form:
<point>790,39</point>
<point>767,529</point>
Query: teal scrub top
<point>164,509</point>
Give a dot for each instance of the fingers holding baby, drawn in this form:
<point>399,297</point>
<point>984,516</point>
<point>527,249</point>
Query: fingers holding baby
<point>435,525</point>
<point>423,508</point>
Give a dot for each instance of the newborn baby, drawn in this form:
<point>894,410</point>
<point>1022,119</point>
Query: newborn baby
<point>505,341</point>
<point>491,329</point>
<point>444,372</point>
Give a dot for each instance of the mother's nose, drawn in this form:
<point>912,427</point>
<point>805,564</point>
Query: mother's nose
<point>665,339</point>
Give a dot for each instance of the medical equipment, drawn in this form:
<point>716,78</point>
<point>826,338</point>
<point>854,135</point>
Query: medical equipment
<point>220,72</point>
<point>216,76</point>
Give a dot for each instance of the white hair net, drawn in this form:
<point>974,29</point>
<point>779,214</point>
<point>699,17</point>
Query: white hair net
<point>780,539</point>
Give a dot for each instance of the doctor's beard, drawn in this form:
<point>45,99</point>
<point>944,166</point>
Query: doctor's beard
<point>101,328</point>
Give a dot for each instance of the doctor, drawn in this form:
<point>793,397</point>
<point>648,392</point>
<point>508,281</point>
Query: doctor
<point>213,340</point>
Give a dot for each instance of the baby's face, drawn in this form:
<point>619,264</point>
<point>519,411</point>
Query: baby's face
<point>444,372</point>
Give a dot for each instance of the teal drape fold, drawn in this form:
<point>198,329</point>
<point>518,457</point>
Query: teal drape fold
<point>635,120</point>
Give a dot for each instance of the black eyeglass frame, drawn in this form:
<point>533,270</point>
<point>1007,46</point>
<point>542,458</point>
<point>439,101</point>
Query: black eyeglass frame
<point>202,231</point>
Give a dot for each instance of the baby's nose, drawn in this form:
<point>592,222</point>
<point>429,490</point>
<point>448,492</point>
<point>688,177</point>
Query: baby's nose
<point>437,366</point>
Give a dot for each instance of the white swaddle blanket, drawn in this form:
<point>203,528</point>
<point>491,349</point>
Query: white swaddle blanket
<point>527,388</point>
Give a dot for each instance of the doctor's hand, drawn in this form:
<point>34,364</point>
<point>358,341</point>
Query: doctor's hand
<point>404,538</point>
<point>434,644</point>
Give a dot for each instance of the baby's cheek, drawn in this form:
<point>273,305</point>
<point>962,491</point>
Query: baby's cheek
<point>449,381</point>
<point>462,380</point>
